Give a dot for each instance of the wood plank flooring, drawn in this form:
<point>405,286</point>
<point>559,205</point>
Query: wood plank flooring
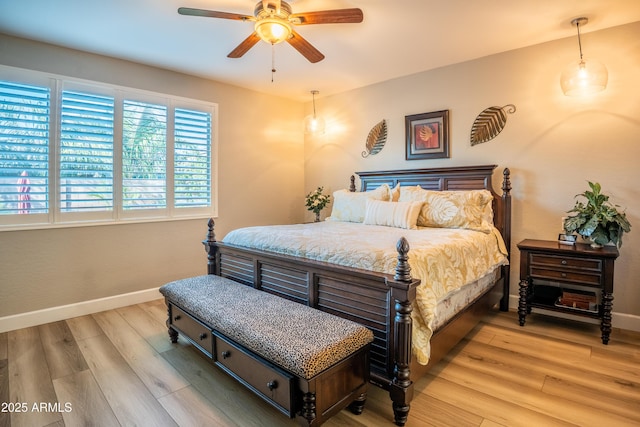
<point>117,368</point>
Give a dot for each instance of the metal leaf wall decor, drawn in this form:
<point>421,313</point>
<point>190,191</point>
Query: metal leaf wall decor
<point>376,139</point>
<point>490,123</point>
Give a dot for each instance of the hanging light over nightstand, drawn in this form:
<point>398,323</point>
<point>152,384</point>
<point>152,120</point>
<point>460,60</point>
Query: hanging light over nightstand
<point>314,125</point>
<point>583,76</point>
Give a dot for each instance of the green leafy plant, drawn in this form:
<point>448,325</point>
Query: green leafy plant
<point>316,201</point>
<point>597,219</point>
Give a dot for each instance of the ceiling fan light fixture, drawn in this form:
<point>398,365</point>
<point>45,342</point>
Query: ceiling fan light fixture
<point>273,30</point>
<point>583,77</point>
<point>274,23</point>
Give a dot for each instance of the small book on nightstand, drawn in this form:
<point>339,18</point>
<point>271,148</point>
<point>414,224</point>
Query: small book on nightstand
<point>567,239</point>
<point>574,298</point>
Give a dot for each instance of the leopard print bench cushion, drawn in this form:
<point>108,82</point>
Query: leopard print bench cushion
<point>300,339</point>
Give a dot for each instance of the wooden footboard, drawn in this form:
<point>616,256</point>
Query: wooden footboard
<point>382,302</point>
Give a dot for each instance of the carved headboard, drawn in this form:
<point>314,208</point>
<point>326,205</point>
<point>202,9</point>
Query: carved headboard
<point>450,178</point>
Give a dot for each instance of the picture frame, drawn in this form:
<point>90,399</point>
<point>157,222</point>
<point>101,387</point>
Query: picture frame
<point>427,135</point>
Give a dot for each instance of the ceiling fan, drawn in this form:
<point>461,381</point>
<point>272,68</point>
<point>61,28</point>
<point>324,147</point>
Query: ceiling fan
<point>274,23</point>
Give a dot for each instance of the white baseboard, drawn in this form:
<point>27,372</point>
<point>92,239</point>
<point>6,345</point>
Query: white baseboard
<point>628,322</point>
<point>24,320</point>
<point>54,314</point>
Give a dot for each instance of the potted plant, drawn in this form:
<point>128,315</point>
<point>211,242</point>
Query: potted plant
<point>316,201</point>
<point>597,219</point>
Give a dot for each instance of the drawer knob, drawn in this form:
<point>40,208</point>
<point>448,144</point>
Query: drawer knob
<point>564,274</point>
<point>177,317</point>
<point>272,385</point>
<point>563,262</point>
<point>203,336</point>
<point>226,354</point>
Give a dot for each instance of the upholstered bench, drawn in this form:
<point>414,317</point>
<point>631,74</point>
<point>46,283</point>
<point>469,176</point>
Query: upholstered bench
<point>304,362</point>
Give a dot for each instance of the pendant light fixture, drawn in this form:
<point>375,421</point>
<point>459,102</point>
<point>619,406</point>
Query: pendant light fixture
<point>583,77</point>
<point>313,124</point>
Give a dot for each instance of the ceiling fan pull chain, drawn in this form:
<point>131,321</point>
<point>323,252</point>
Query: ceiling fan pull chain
<point>273,60</point>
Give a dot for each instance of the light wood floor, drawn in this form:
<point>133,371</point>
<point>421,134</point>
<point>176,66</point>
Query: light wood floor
<point>118,368</point>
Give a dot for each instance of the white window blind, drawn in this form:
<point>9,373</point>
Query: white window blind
<point>86,152</point>
<point>192,159</point>
<point>24,149</point>
<point>76,152</point>
<point>144,155</point>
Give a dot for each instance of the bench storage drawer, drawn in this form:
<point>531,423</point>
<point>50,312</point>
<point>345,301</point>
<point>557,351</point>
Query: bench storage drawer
<point>265,379</point>
<point>304,362</point>
<point>198,333</point>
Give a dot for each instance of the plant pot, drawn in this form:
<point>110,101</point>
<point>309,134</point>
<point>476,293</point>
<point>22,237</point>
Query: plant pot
<point>593,243</point>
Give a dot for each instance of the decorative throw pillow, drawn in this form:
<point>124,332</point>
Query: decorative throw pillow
<point>351,206</point>
<point>392,214</point>
<point>452,209</point>
<point>395,193</point>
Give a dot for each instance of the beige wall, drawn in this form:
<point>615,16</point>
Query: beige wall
<point>553,144</point>
<point>260,181</point>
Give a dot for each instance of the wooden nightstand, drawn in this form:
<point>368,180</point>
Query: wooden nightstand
<point>549,270</point>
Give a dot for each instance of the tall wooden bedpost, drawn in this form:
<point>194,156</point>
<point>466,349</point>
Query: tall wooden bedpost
<point>403,292</point>
<point>506,235</point>
<point>212,250</point>
<point>352,184</point>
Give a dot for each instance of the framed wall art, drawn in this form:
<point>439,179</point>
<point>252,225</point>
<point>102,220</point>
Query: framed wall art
<point>427,135</point>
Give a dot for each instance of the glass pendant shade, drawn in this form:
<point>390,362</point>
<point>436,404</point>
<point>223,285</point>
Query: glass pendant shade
<point>273,30</point>
<point>313,125</point>
<point>583,77</point>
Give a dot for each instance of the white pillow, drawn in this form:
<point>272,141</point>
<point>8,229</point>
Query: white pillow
<point>469,209</point>
<point>351,206</point>
<point>395,193</point>
<point>392,214</point>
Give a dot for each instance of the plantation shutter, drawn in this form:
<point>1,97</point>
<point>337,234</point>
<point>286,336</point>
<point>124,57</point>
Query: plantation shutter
<point>144,156</point>
<point>75,152</point>
<point>86,152</point>
<point>192,159</point>
<point>24,148</point>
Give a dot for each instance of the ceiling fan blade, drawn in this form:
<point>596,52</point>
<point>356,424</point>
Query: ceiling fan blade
<point>338,16</point>
<point>214,14</point>
<point>244,47</point>
<point>305,48</point>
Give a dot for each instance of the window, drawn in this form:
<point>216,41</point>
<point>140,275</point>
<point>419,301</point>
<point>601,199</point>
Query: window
<point>76,152</point>
<point>192,155</point>
<point>24,149</point>
<point>144,156</point>
<point>86,152</point>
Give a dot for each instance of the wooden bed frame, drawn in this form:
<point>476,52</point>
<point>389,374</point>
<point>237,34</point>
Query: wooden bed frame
<point>382,302</point>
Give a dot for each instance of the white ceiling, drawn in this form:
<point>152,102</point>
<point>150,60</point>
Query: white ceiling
<point>396,38</point>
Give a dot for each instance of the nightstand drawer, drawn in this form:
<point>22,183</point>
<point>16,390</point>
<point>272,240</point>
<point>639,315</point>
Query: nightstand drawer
<point>567,261</point>
<point>566,275</point>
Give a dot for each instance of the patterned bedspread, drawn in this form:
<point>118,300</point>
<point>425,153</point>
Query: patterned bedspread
<point>444,259</point>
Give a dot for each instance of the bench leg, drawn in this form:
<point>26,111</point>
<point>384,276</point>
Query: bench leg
<point>357,406</point>
<point>309,407</point>
<point>173,335</point>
